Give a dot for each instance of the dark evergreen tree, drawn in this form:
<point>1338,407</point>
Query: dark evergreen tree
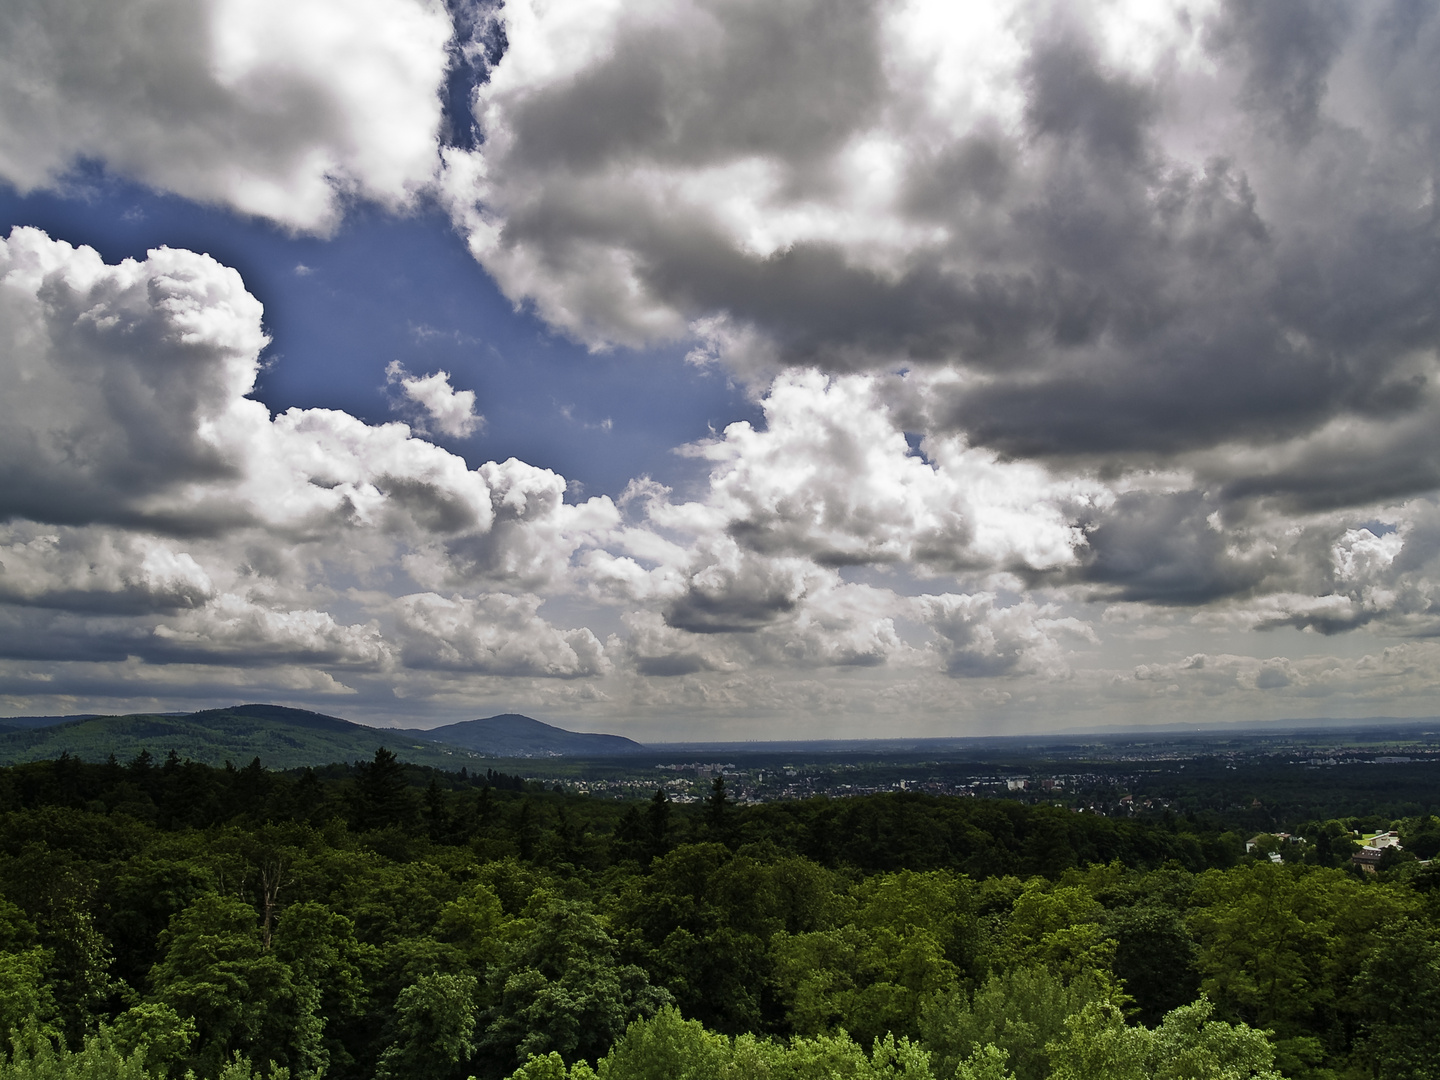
<point>307,798</point>
<point>717,810</point>
<point>1154,958</point>
<point>437,815</point>
<point>382,799</point>
<point>252,788</point>
<point>657,824</point>
<point>485,808</point>
<point>628,841</point>
<point>527,831</point>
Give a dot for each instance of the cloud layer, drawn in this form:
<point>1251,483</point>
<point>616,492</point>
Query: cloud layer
<point>1095,344</point>
<point>158,515</point>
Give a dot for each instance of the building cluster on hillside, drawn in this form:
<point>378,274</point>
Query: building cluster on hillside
<point>1368,856</point>
<point>1269,844</point>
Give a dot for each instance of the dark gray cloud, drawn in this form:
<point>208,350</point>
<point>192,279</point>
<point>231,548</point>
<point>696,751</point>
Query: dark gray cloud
<point>1163,548</point>
<point>710,82</point>
<point>1286,49</point>
<point>74,638</point>
<point>738,594</point>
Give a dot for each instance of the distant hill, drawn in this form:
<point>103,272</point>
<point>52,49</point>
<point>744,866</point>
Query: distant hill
<point>284,738</point>
<point>513,735</point>
<point>42,721</point>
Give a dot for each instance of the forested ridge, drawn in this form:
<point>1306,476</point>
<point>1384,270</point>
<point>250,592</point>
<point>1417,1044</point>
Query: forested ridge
<point>386,921</point>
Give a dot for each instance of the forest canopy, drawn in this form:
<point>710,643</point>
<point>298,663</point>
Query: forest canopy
<point>384,921</point>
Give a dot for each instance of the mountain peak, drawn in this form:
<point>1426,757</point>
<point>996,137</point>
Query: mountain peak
<point>515,735</point>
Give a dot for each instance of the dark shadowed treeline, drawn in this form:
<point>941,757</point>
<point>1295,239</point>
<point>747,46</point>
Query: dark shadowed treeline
<point>386,921</point>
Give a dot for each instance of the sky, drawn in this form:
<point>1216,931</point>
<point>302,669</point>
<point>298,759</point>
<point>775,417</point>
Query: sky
<point>722,369</point>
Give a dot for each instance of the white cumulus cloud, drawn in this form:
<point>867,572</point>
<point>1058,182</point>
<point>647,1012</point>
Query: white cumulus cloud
<point>280,108</point>
<point>451,411</point>
<point>152,509</point>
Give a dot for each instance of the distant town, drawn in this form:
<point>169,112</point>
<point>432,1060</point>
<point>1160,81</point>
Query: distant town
<point>1249,779</point>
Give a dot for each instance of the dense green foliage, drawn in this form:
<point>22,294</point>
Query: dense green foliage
<point>385,921</point>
